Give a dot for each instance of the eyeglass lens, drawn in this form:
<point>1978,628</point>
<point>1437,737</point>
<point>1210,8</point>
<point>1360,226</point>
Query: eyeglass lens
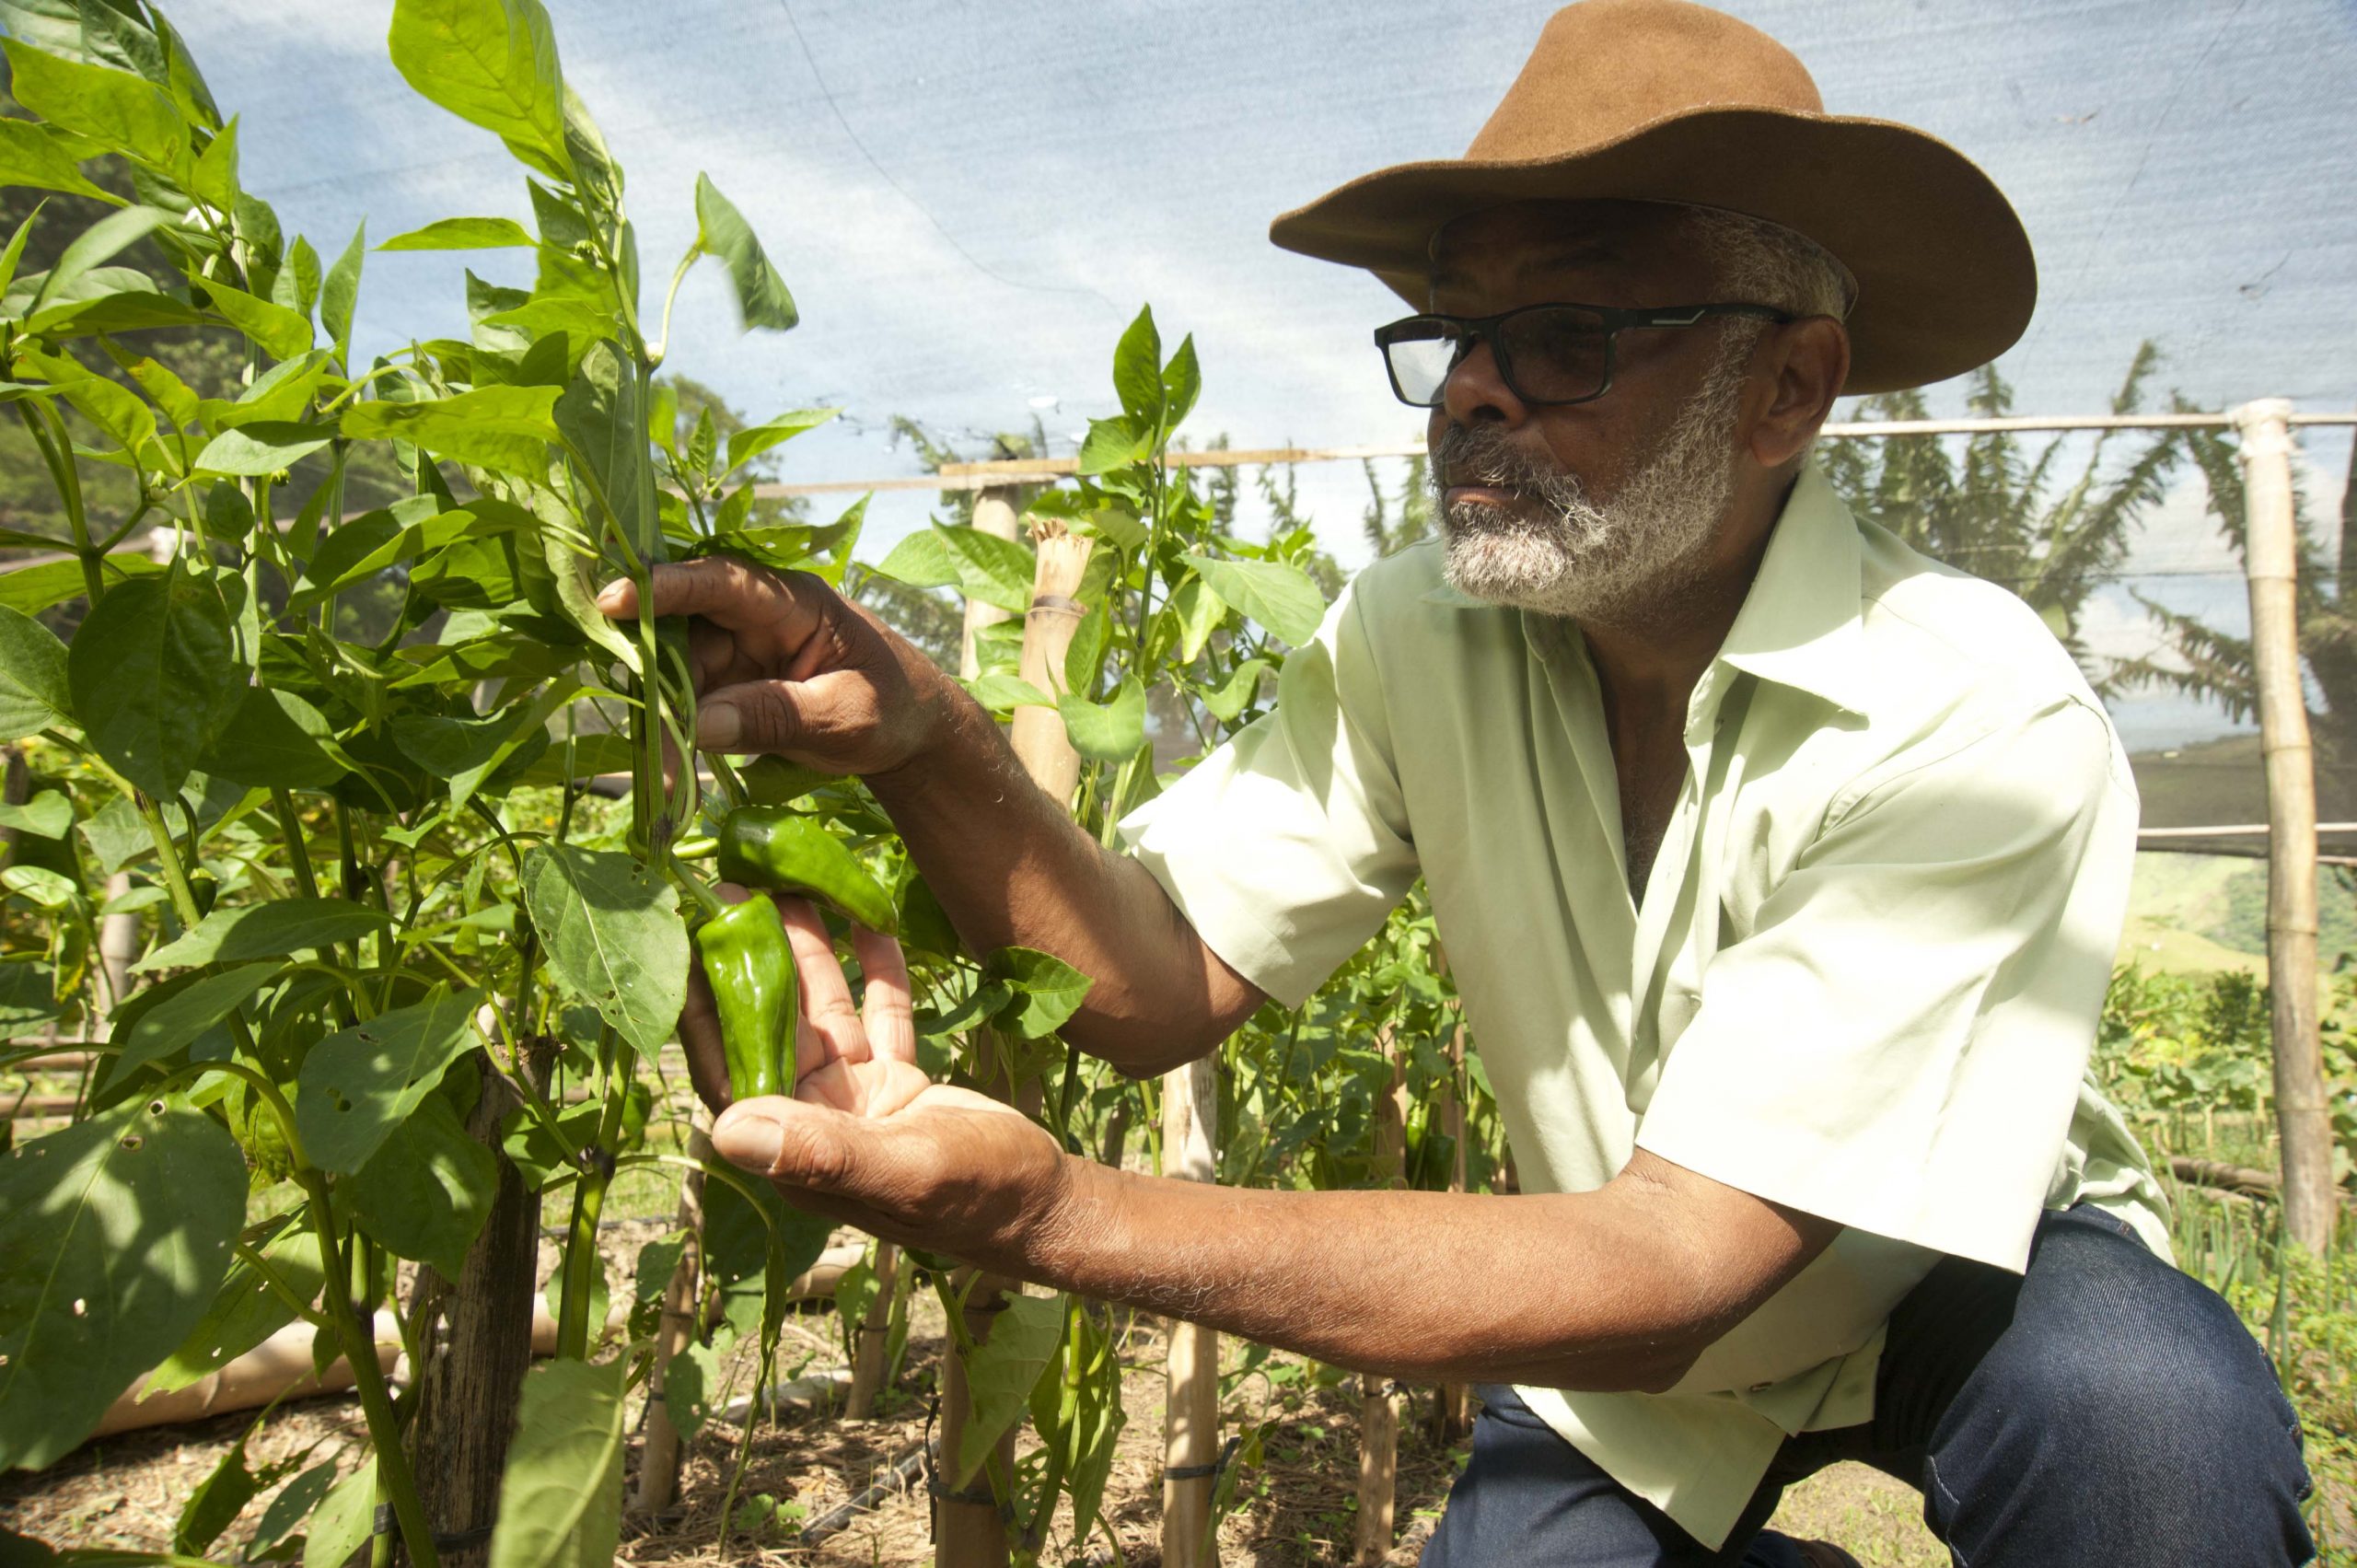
<point>1552,355</point>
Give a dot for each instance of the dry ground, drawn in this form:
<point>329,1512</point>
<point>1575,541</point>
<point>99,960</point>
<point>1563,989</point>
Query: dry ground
<point>1298,1507</point>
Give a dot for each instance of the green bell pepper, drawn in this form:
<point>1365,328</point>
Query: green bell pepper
<point>767,846</point>
<point>750,965</point>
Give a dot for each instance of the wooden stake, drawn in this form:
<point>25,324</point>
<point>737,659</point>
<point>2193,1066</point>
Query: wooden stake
<point>1452,1403</point>
<point>658,1460</point>
<point>2270,557</point>
<point>994,514</point>
<point>475,1337</point>
<point>968,1531</point>
<point>1190,1423</point>
<point>1379,1403</point>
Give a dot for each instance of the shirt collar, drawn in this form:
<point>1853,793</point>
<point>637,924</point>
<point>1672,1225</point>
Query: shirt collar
<point>1799,623</point>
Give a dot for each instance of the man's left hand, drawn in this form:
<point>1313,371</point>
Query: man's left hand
<point>866,1138</point>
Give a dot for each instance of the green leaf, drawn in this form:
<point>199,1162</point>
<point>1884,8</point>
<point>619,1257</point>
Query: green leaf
<point>921,560</point>
<point>155,676</point>
<point>657,1262</point>
<point>115,1232</point>
<point>30,588</point>
<point>1137,371</point>
<point>1087,654</point>
<point>1004,694</point>
<point>340,291</point>
<point>493,427</point>
<point>343,1523</point>
<point>1182,382</point>
<point>245,1311</point>
<point>162,1018</point>
<point>262,448</point>
<point>602,420</point>
<point>464,233</point>
<point>287,1511</point>
<point>614,938</point>
<point>721,230</point>
<point>276,740</point>
<point>745,444</point>
<point>267,930</point>
<point>216,170</point>
<point>36,156</point>
<point>357,1085</point>
<point>282,334</point>
<point>104,240</point>
<point>1047,991</point>
<point>994,570</point>
<point>1199,612</point>
<point>561,1496</point>
<point>1106,732</point>
<point>493,63</point>
<point>1001,1370</point>
<point>28,993</point>
<point>1113,444</point>
<point>34,693</point>
<point>114,108</point>
<point>425,1194</point>
<point>48,815</point>
<point>693,1379</point>
<point>1242,686</point>
<point>215,1504</point>
<point>15,252</point>
<point>1283,598</point>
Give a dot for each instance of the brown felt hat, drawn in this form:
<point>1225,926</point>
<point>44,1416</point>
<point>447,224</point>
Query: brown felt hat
<point>1661,101</point>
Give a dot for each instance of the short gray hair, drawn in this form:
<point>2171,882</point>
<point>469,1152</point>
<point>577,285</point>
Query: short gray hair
<point>1764,264</point>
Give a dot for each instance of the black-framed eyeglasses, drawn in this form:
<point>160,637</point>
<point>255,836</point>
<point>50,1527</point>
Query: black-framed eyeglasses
<point>1548,355</point>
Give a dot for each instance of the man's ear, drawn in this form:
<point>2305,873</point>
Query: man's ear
<point>1804,363</point>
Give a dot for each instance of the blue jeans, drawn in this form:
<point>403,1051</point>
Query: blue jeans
<point>2101,1408</point>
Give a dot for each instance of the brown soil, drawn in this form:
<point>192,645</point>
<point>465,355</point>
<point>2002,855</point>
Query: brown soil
<point>1296,1507</point>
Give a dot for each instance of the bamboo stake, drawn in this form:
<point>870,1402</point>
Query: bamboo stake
<point>994,514</point>
<point>875,1329</point>
<point>2270,557</point>
<point>659,1461</point>
<point>1452,1403</point>
<point>1378,1402</point>
<point>1190,1421</point>
<point>968,1530</point>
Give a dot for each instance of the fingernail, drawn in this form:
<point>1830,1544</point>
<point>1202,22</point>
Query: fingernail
<point>752,1141</point>
<point>719,724</point>
<point>612,592</point>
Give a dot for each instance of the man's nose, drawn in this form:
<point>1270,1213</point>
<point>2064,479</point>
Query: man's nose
<point>1476,391</point>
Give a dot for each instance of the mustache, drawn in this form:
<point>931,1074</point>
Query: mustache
<point>1484,454</point>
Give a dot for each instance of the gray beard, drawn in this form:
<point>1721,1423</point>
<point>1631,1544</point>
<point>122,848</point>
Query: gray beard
<point>1623,560</point>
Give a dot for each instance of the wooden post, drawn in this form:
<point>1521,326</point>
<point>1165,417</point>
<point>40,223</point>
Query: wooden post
<point>867,1365</point>
<point>658,1455</point>
<point>2270,557</point>
<point>968,1531</point>
<point>994,514</point>
<point>1190,1419</point>
<point>1378,1405</point>
<point>475,1339</point>
<point>1452,1403</point>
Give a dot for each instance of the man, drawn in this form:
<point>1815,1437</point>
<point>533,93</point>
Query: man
<point>1780,869</point>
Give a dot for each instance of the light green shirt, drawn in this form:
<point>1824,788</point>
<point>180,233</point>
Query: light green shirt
<point>1864,979</point>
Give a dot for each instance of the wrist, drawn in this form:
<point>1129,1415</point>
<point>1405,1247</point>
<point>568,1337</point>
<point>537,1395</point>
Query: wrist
<point>1066,1222</point>
<point>941,732</point>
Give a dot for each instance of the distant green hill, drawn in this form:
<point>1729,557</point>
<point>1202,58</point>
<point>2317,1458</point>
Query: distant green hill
<point>2200,912</point>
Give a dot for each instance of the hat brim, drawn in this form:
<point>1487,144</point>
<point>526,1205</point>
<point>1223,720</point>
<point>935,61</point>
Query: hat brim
<point>1946,277</point>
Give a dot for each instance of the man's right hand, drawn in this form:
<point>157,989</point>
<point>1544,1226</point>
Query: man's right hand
<point>782,663</point>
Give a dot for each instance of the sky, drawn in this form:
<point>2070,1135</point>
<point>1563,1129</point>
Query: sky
<point>970,200</point>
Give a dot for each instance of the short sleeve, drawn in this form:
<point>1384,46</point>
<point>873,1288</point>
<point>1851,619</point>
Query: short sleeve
<point>1898,1044</point>
<point>1287,846</point>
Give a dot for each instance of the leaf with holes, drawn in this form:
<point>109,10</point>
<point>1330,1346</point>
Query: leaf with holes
<point>357,1085</point>
<point>612,934</point>
<point>245,1312</point>
<point>114,1235</point>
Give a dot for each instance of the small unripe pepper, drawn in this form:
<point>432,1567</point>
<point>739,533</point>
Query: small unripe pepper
<point>767,846</point>
<point>749,966</point>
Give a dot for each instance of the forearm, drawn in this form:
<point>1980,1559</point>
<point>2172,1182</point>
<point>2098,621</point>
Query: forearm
<point>1011,868</point>
<point>1573,1291</point>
